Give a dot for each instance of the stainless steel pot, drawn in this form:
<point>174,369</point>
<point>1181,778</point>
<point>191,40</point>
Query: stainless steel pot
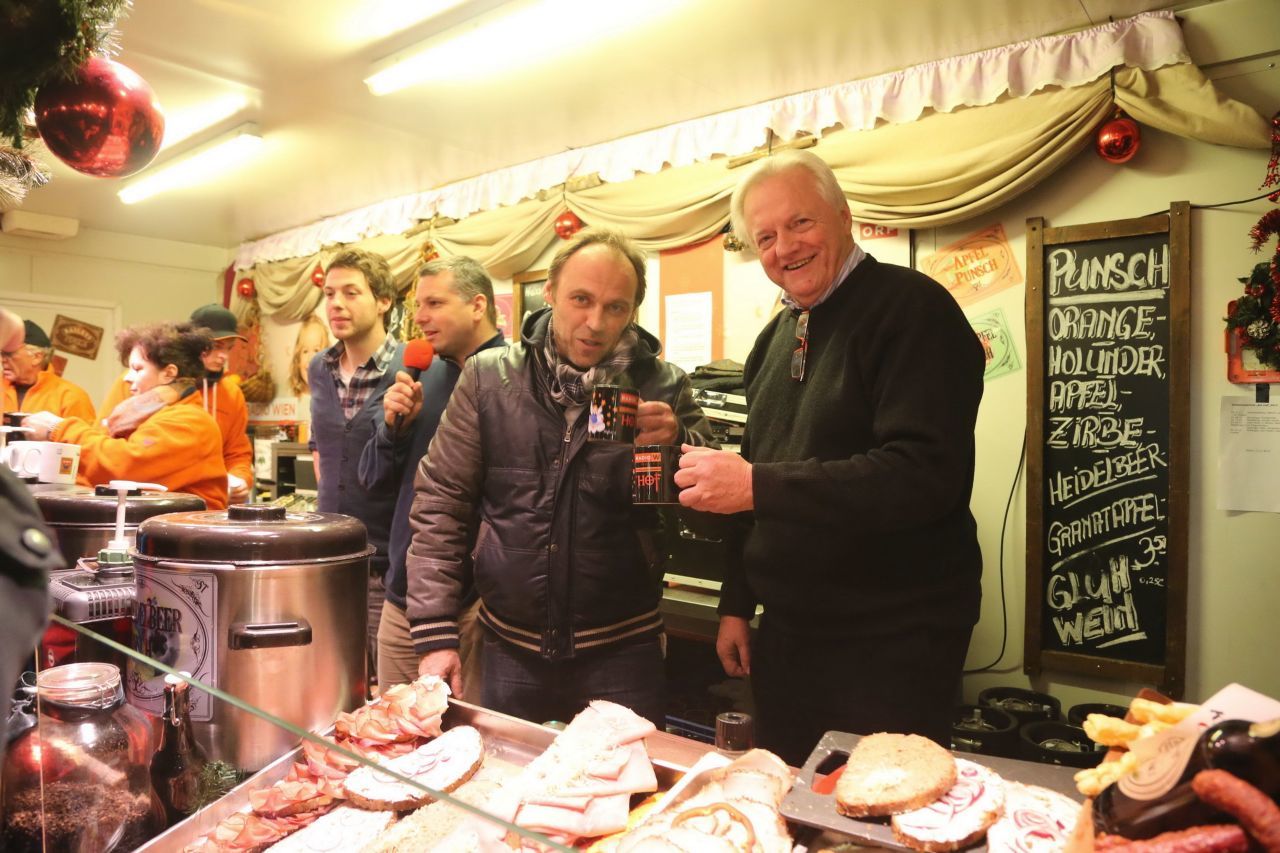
<point>84,519</point>
<point>268,606</point>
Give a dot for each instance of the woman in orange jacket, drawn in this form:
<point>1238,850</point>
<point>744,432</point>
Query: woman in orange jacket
<point>160,434</point>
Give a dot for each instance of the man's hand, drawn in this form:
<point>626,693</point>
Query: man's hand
<point>237,490</point>
<point>714,480</point>
<point>448,665</point>
<point>733,645</point>
<point>40,425</point>
<point>656,424</point>
<point>402,398</point>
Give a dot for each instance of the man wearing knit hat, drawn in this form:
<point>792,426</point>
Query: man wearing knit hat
<point>224,400</point>
<point>30,386</point>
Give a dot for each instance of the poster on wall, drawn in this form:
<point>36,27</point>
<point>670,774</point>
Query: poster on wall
<point>502,306</point>
<point>288,348</point>
<point>992,329</point>
<point>975,267</point>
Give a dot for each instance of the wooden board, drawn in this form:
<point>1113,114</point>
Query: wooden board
<point>805,806</point>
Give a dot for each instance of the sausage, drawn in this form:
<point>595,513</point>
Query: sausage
<point>1257,812</point>
<point>1226,838</point>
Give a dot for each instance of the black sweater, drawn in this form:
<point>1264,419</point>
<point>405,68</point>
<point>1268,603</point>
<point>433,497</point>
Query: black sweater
<point>862,473</point>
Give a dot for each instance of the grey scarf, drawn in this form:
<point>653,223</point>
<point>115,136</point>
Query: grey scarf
<point>571,386</point>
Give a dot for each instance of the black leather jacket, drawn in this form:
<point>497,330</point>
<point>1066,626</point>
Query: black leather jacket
<point>562,561</point>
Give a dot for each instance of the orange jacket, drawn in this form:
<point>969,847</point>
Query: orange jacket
<point>178,447</point>
<point>51,393</point>
<point>225,402</point>
<point>232,415</point>
<point>116,394</point>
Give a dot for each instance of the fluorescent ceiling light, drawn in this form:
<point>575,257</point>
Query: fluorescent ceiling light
<point>376,19</point>
<point>186,123</point>
<point>197,166</point>
<point>516,35</point>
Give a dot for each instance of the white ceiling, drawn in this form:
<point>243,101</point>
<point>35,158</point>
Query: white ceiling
<point>332,146</point>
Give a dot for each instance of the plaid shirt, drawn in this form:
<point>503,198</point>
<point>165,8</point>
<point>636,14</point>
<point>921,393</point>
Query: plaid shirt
<point>353,394</point>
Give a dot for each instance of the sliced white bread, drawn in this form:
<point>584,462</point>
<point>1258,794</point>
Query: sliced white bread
<point>893,773</point>
<point>1035,820</point>
<point>345,828</point>
<point>441,765</point>
<point>959,817</point>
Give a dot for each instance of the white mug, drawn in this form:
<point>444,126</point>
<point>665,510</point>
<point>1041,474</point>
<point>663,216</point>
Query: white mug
<point>47,461</point>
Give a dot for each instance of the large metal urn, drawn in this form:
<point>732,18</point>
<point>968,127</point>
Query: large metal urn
<point>84,519</point>
<point>268,606</point>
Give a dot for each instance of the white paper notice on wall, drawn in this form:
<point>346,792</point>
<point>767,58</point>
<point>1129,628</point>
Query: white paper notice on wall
<point>688,339</point>
<point>1249,456</point>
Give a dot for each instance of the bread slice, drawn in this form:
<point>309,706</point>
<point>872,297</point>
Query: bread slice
<point>959,817</point>
<point>344,828</point>
<point>892,773</point>
<point>442,765</point>
<point>1035,820</point>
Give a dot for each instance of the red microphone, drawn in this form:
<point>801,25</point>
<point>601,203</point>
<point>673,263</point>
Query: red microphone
<point>418,354</point>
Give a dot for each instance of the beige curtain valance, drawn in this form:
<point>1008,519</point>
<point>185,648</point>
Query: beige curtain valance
<point>940,169</point>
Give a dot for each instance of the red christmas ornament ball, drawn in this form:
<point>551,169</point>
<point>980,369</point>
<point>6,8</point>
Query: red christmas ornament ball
<point>1118,140</point>
<point>567,224</point>
<point>317,276</point>
<point>246,288</point>
<point>105,122</point>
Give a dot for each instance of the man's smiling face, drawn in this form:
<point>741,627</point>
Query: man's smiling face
<point>801,238</point>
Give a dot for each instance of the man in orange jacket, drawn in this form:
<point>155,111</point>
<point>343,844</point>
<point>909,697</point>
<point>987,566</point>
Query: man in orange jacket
<point>220,396</point>
<point>30,386</point>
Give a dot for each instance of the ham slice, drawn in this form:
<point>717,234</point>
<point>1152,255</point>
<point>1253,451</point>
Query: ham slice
<point>580,787</point>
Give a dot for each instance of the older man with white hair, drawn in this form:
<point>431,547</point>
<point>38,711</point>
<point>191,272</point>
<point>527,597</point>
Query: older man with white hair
<point>30,386</point>
<point>854,480</point>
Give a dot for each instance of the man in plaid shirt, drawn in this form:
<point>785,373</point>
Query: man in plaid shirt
<point>348,381</point>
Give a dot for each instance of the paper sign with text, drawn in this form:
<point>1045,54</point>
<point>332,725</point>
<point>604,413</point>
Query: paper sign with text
<point>976,266</point>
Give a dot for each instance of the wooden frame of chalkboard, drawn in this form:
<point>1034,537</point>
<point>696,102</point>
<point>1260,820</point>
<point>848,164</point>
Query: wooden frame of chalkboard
<point>1108,314</point>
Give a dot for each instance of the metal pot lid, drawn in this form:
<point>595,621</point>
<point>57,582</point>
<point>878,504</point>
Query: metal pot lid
<point>67,505</point>
<point>253,533</point>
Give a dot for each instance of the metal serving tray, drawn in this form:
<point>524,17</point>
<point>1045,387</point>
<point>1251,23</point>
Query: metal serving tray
<point>805,806</point>
<point>508,739</point>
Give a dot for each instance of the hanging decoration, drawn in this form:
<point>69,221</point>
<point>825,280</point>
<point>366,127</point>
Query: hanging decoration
<point>104,122</point>
<point>731,241</point>
<point>1273,164</point>
<point>246,288</point>
<point>43,42</point>
<point>1118,139</point>
<point>1255,316</point>
<point>567,224</point>
<point>427,252</point>
<point>317,275</point>
<point>258,385</point>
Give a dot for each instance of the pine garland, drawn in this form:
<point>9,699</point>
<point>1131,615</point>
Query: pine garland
<point>1256,315</point>
<point>44,40</point>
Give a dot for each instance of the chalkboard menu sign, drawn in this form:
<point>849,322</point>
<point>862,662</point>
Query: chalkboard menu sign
<point>1108,331</point>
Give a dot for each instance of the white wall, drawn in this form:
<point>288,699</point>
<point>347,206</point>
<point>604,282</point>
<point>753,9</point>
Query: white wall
<point>150,280</point>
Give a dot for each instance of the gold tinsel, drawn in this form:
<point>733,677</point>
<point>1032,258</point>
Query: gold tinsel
<point>260,387</point>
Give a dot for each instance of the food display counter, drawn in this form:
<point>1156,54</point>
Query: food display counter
<point>509,742</point>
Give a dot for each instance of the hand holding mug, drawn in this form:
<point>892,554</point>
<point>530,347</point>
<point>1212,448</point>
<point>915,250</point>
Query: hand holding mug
<point>656,423</point>
<point>41,425</point>
<point>714,481</point>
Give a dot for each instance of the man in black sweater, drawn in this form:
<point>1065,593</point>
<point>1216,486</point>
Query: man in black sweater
<point>854,481</point>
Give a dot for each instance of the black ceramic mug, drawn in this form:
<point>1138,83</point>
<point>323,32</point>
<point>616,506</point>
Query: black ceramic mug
<point>613,414</point>
<point>653,476</point>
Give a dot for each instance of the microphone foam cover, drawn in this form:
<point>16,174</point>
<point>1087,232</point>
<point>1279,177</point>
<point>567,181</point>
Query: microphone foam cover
<point>418,354</point>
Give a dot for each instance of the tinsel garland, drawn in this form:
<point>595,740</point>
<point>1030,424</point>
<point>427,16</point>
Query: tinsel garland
<point>1273,165</point>
<point>19,172</point>
<point>43,40</point>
